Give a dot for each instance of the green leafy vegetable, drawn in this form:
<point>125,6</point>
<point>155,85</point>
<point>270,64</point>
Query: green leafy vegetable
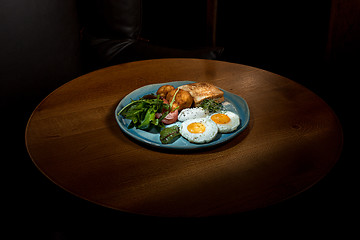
<point>170,134</point>
<point>142,113</point>
<point>211,105</point>
<point>173,100</point>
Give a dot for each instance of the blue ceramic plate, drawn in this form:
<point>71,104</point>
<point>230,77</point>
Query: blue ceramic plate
<point>232,103</point>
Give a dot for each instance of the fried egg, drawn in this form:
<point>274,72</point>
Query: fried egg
<point>226,121</point>
<point>191,113</point>
<point>199,130</point>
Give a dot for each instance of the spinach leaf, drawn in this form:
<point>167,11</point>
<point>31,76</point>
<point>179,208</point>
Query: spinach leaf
<point>142,113</point>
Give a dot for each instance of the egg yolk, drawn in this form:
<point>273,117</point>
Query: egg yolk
<point>220,118</point>
<point>196,127</point>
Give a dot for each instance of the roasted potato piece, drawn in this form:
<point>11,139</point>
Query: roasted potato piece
<point>183,99</point>
<point>163,90</point>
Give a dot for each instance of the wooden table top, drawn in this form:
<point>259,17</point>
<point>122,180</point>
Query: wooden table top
<point>293,140</point>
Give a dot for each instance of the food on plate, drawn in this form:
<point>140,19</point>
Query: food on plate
<point>169,134</point>
<point>164,90</point>
<point>171,117</point>
<point>143,112</point>
<point>226,121</point>
<point>191,113</point>
<point>203,90</point>
<point>151,111</point>
<point>211,105</point>
<point>200,124</point>
<point>199,130</point>
<point>183,99</point>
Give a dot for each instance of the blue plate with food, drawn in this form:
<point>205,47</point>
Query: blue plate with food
<point>182,115</point>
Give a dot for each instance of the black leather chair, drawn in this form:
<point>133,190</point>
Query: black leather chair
<point>112,35</point>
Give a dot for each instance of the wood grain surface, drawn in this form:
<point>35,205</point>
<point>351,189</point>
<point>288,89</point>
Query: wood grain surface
<point>292,141</point>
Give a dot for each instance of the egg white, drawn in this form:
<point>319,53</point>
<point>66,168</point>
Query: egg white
<point>208,135</point>
<point>230,126</point>
<point>191,113</point>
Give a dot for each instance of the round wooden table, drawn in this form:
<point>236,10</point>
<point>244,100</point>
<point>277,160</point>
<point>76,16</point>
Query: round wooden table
<point>293,140</point>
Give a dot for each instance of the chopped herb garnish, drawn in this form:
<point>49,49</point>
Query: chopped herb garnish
<point>211,105</point>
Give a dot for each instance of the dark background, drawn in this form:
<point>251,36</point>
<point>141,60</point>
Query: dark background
<point>315,43</point>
